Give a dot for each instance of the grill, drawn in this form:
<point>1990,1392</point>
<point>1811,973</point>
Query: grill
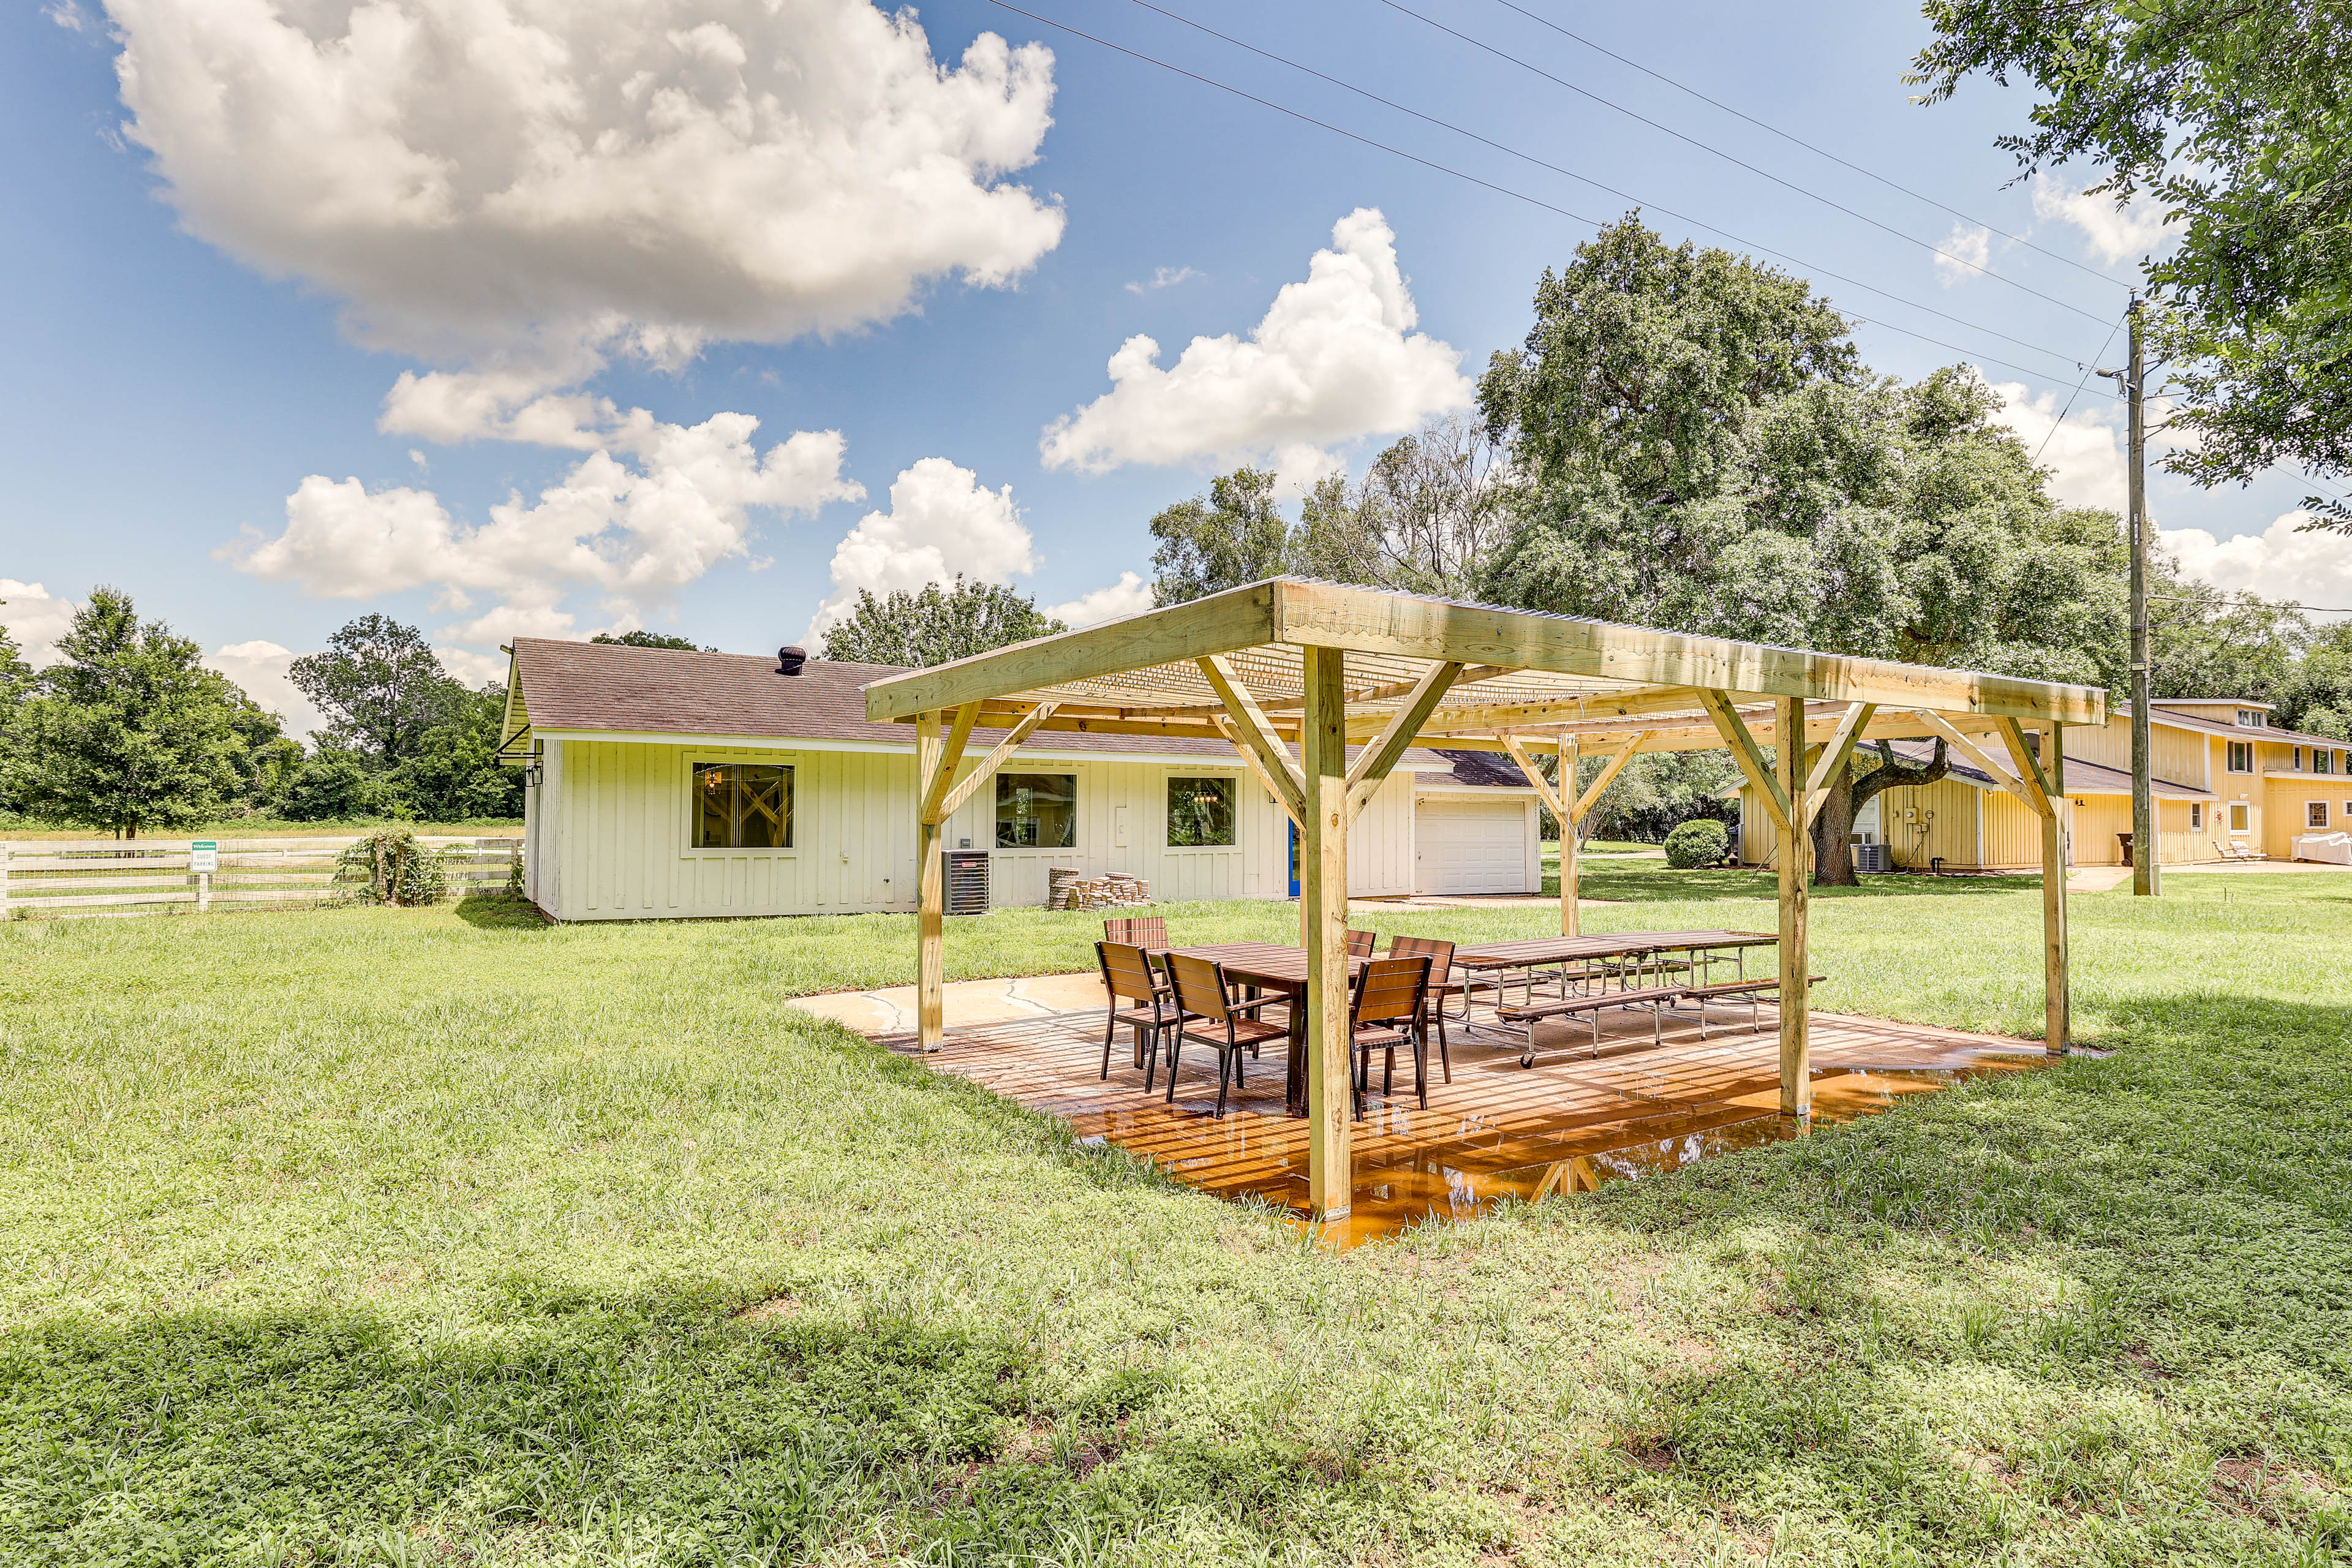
<point>967,880</point>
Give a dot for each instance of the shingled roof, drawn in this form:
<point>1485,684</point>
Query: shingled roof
<point>619,689</point>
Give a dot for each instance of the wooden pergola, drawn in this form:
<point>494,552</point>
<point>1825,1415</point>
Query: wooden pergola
<point>1294,672</point>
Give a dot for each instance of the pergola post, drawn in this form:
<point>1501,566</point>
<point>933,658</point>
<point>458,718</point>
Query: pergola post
<point>936,757</point>
<point>1323,905</point>
<point>2043,782</point>
<point>931,884</point>
<point>1796,879</point>
<point>1568,823</point>
<point>2058,1000</point>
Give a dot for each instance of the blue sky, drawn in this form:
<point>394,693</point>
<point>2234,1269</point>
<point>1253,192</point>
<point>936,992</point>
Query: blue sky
<point>172,389</point>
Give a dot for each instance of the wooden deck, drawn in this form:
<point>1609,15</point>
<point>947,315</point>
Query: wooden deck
<point>1498,1130</point>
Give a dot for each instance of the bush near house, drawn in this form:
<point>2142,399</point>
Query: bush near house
<point>1702,842</point>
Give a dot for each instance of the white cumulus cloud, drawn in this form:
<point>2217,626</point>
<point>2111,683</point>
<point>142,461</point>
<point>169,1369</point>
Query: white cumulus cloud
<point>1128,597</point>
<point>650,510</point>
<point>549,178</point>
<point>2084,455</point>
<point>264,670</point>
<point>1963,253</point>
<point>2279,563</point>
<point>35,619</point>
<point>1335,358</point>
<point>942,520</point>
<point>2124,232</point>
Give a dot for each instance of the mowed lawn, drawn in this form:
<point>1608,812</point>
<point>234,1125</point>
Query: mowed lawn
<point>440,1236</point>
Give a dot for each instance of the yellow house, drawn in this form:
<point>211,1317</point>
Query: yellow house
<point>663,784</point>
<point>2222,774</point>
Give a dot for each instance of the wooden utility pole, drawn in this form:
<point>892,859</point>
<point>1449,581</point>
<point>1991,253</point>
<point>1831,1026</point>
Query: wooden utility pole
<point>2148,876</point>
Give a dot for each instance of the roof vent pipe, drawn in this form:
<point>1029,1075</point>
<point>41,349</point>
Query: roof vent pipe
<point>789,660</point>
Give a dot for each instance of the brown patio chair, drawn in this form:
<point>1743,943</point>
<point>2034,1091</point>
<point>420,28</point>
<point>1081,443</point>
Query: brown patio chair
<point>1360,943</point>
<point>1128,977</point>
<point>1149,933</point>
<point>1444,982</point>
<point>1212,1015</point>
<point>1385,1012</point>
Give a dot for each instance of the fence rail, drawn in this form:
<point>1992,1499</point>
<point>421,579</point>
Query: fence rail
<point>55,879</point>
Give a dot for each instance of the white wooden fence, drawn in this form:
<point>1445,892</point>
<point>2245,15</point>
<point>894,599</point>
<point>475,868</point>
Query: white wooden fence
<point>63,878</point>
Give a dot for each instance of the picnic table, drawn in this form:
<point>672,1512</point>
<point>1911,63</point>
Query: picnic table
<point>1621,954</point>
<point>1270,966</point>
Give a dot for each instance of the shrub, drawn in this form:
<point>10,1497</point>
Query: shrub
<point>1700,842</point>
<point>391,868</point>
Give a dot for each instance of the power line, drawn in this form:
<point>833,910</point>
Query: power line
<point>1584,179</point>
<point>1740,163</point>
<point>1458,174</point>
<point>1808,146</point>
<point>2088,372</point>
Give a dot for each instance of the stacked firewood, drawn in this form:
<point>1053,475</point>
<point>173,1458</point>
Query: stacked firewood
<point>1068,889</point>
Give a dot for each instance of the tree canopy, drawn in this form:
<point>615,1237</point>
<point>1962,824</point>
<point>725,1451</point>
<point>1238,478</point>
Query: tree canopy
<point>129,730</point>
<point>937,625</point>
<point>642,638</point>
<point>2232,116</point>
<point>1645,360</point>
<point>1233,534</point>
<point>380,687</point>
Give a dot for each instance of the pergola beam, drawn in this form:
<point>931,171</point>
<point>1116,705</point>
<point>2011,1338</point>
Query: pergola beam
<point>1980,757</point>
<point>1369,620</point>
<point>1750,756</point>
<point>1374,762</point>
<point>985,769</point>
<point>1248,719</point>
<point>1833,756</point>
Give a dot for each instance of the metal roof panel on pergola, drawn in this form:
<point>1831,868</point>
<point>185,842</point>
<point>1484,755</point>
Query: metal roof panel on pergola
<point>1296,671</point>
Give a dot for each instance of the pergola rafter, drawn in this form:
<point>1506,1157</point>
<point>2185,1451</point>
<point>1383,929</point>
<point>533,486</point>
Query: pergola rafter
<point>1293,672</point>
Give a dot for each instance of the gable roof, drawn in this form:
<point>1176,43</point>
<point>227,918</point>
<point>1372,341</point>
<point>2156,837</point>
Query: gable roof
<point>2158,713</point>
<point>624,690</point>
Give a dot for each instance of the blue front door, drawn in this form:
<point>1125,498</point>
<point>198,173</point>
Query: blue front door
<point>1293,859</point>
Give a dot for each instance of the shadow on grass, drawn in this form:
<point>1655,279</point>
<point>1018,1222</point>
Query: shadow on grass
<point>501,911</point>
<point>1654,882</point>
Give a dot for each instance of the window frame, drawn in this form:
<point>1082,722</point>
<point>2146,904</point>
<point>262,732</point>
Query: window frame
<point>2231,763</point>
<point>1232,786</point>
<point>2195,816</point>
<point>787,761</point>
<point>995,803</point>
<point>2323,761</point>
<point>2318,808</point>
<point>2241,812</point>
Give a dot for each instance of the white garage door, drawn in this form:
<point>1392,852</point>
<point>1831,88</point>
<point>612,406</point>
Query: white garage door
<point>1471,846</point>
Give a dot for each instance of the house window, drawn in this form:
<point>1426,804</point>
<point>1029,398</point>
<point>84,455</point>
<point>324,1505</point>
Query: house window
<point>2323,761</point>
<point>2250,718</point>
<point>2299,758</point>
<point>1200,812</point>
<point>2315,813</point>
<point>2196,815</point>
<point>1037,810</point>
<point>2241,817</point>
<point>742,805</point>
<point>2242,756</point>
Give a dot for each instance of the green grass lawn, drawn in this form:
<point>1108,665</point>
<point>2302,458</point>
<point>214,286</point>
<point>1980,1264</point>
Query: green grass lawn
<point>373,1236</point>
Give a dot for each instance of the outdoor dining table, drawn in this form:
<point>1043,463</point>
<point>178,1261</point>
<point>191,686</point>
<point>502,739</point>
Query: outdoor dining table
<point>1270,966</point>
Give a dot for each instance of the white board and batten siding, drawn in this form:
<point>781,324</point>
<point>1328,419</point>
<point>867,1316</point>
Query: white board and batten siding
<point>608,834</point>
